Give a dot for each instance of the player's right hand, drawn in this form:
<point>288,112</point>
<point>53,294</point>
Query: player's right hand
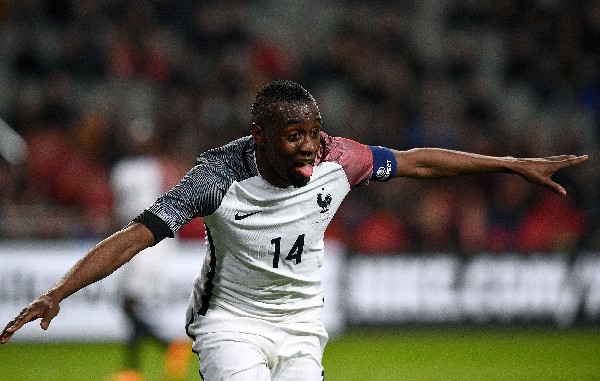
<point>44,307</point>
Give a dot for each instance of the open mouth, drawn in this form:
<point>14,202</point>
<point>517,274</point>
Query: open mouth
<point>304,169</point>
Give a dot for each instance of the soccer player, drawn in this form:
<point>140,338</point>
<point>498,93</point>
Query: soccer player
<point>266,200</point>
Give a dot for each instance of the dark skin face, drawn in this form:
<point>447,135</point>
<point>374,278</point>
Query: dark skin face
<point>288,146</point>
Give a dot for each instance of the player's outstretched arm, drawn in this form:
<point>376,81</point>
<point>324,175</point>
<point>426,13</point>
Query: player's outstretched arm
<point>99,262</point>
<point>423,163</point>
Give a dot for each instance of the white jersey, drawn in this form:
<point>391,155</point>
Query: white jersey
<point>264,244</point>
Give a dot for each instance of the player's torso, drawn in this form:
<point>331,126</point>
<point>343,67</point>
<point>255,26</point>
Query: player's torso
<point>266,243</point>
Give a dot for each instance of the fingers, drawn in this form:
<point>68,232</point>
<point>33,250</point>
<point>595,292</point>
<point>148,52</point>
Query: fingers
<point>5,336</point>
<point>12,327</point>
<point>558,189</point>
<point>560,157</point>
<point>6,333</point>
<point>558,163</point>
<point>569,160</point>
<point>24,317</point>
<point>579,159</point>
<point>32,312</point>
<point>50,313</point>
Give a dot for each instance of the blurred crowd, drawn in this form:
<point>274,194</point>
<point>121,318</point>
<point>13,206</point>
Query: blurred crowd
<point>91,83</point>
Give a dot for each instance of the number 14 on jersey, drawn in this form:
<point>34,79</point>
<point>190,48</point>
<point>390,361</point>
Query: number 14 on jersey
<point>295,252</point>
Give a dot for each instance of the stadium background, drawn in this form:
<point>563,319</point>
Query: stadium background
<point>82,82</point>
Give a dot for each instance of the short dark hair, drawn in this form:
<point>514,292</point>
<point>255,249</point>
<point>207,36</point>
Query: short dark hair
<point>273,93</point>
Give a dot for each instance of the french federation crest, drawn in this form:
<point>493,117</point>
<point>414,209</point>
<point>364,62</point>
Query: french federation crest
<point>324,202</point>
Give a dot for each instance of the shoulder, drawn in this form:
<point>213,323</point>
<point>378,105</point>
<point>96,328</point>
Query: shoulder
<point>356,158</point>
<point>203,187</point>
<point>234,160</point>
<point>238,153</point>
<point>335,148</point>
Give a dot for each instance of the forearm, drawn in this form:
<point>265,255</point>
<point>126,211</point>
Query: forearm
<point>98,263</point>
<point>423,163</point>
<point>102,260</point>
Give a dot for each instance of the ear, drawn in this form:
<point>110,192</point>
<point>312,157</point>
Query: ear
<point>258,134</point>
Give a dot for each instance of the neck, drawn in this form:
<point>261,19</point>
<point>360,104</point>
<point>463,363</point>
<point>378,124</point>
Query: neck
<point>267,172</point>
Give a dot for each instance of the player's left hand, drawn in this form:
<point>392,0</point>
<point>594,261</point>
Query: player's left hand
<point>44,307</point>
<point>540,170</point>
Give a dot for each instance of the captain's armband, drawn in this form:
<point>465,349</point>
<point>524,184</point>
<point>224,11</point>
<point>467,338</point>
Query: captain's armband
<point>384,163</point>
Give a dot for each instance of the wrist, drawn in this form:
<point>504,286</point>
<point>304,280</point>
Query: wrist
<point>53,294</point>
<point>510,164</point>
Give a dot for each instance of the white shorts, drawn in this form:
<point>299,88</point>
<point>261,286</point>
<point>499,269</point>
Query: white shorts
<point>233,348</point>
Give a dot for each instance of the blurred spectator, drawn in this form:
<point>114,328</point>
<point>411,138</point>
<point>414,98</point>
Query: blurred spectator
<point>28,61</point>
<point>504,78</point>
<point>552,225</point>
<point>511,201</point>
<point>472,223</point>
<point>137,180</point>
<point>379,232</point>
<point>435,220</point>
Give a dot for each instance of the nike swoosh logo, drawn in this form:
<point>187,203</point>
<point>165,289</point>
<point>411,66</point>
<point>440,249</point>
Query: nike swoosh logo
<point>242,216</point>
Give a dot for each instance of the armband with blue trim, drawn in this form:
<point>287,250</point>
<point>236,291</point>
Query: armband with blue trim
<point>384,163</point>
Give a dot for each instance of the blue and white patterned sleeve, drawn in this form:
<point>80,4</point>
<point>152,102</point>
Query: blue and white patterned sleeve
<point>201,190</point>
<point>198,194</point>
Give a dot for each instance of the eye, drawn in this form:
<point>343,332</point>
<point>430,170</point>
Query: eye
<point>314,133</point>
<point>293,136</point>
